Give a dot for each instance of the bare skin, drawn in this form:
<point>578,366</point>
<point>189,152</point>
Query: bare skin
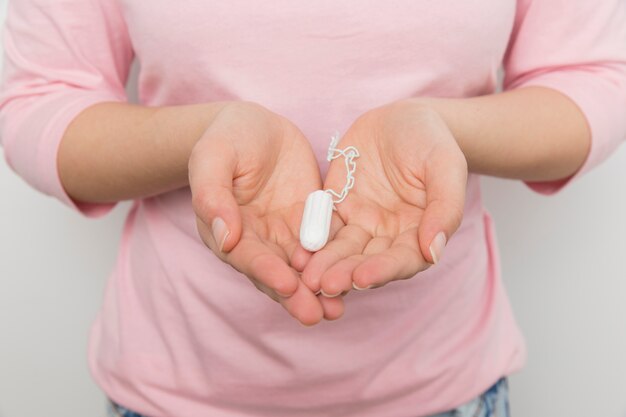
<point>115,151</point>
<point>410,184</point>
<point>253,170</point>
<point>417,153</point>
<point>404,194</point>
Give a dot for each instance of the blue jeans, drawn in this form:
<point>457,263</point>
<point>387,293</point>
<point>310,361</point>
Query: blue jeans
<point>492,403</point>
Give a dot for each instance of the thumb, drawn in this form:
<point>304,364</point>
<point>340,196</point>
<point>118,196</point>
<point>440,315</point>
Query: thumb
<point>445,178</point>
<point>212,168</point>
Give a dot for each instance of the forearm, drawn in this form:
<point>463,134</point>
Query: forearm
<point>533,133</point>
<point>117,151</point>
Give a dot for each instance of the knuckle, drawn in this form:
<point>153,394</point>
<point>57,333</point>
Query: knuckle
<point>264,289</point>
<point>332,288</point>
<point>201,203</point>
<point>205,236</point>
<point>456,217</point>
<point>457,214</point>
<point>284,286</point>
<point>310,318</point>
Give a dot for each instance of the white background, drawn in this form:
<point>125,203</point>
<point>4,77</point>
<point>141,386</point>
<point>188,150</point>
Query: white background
<point>563,263</point>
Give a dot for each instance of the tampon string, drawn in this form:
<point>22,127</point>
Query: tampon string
<point>350,154</point>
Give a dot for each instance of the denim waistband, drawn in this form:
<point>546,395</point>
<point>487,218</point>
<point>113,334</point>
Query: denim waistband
<point>492,403</point>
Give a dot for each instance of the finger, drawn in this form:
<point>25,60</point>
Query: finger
<point>297,255</point>
<point>264,263</point>
<point>348,240</point>
<point>445,180</point>
<point>304,306</point>
<point>285,230</point>
<point>266,290</point>
<point>402,260</point>
<point>377,244</point>
<point>212,166</point>
<point>299,258</point>
<point>338,278</point>
<point>333,307</point>
<point>336,224</point>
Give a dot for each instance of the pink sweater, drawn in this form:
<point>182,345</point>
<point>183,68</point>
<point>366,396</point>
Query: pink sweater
<point>180,334</point>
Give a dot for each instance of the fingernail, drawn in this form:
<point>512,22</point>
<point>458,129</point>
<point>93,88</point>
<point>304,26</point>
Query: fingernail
<point>437,246</point>
<point>329,295</point>
<point>220,232</point>
<point>356,287</point>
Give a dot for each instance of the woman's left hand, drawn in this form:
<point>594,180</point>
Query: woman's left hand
<point>407,200</point>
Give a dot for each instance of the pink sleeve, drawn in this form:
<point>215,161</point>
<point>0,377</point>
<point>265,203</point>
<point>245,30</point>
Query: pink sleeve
<point>60,57</point>
<point>577,47</point>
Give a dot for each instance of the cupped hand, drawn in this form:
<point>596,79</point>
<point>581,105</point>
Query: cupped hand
<point>250,174</point>
<point>407,200</point>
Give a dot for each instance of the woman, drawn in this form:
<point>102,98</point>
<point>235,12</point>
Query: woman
<point>237,105</point>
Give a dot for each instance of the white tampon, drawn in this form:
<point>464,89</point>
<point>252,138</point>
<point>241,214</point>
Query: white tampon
<point>315,226</point>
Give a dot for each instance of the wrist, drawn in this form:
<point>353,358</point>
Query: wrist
<point>457,114</point>
<point>530,133</point>
<point>192,120</point>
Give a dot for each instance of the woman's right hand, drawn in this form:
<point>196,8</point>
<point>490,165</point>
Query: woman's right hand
<point>250,174</point>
